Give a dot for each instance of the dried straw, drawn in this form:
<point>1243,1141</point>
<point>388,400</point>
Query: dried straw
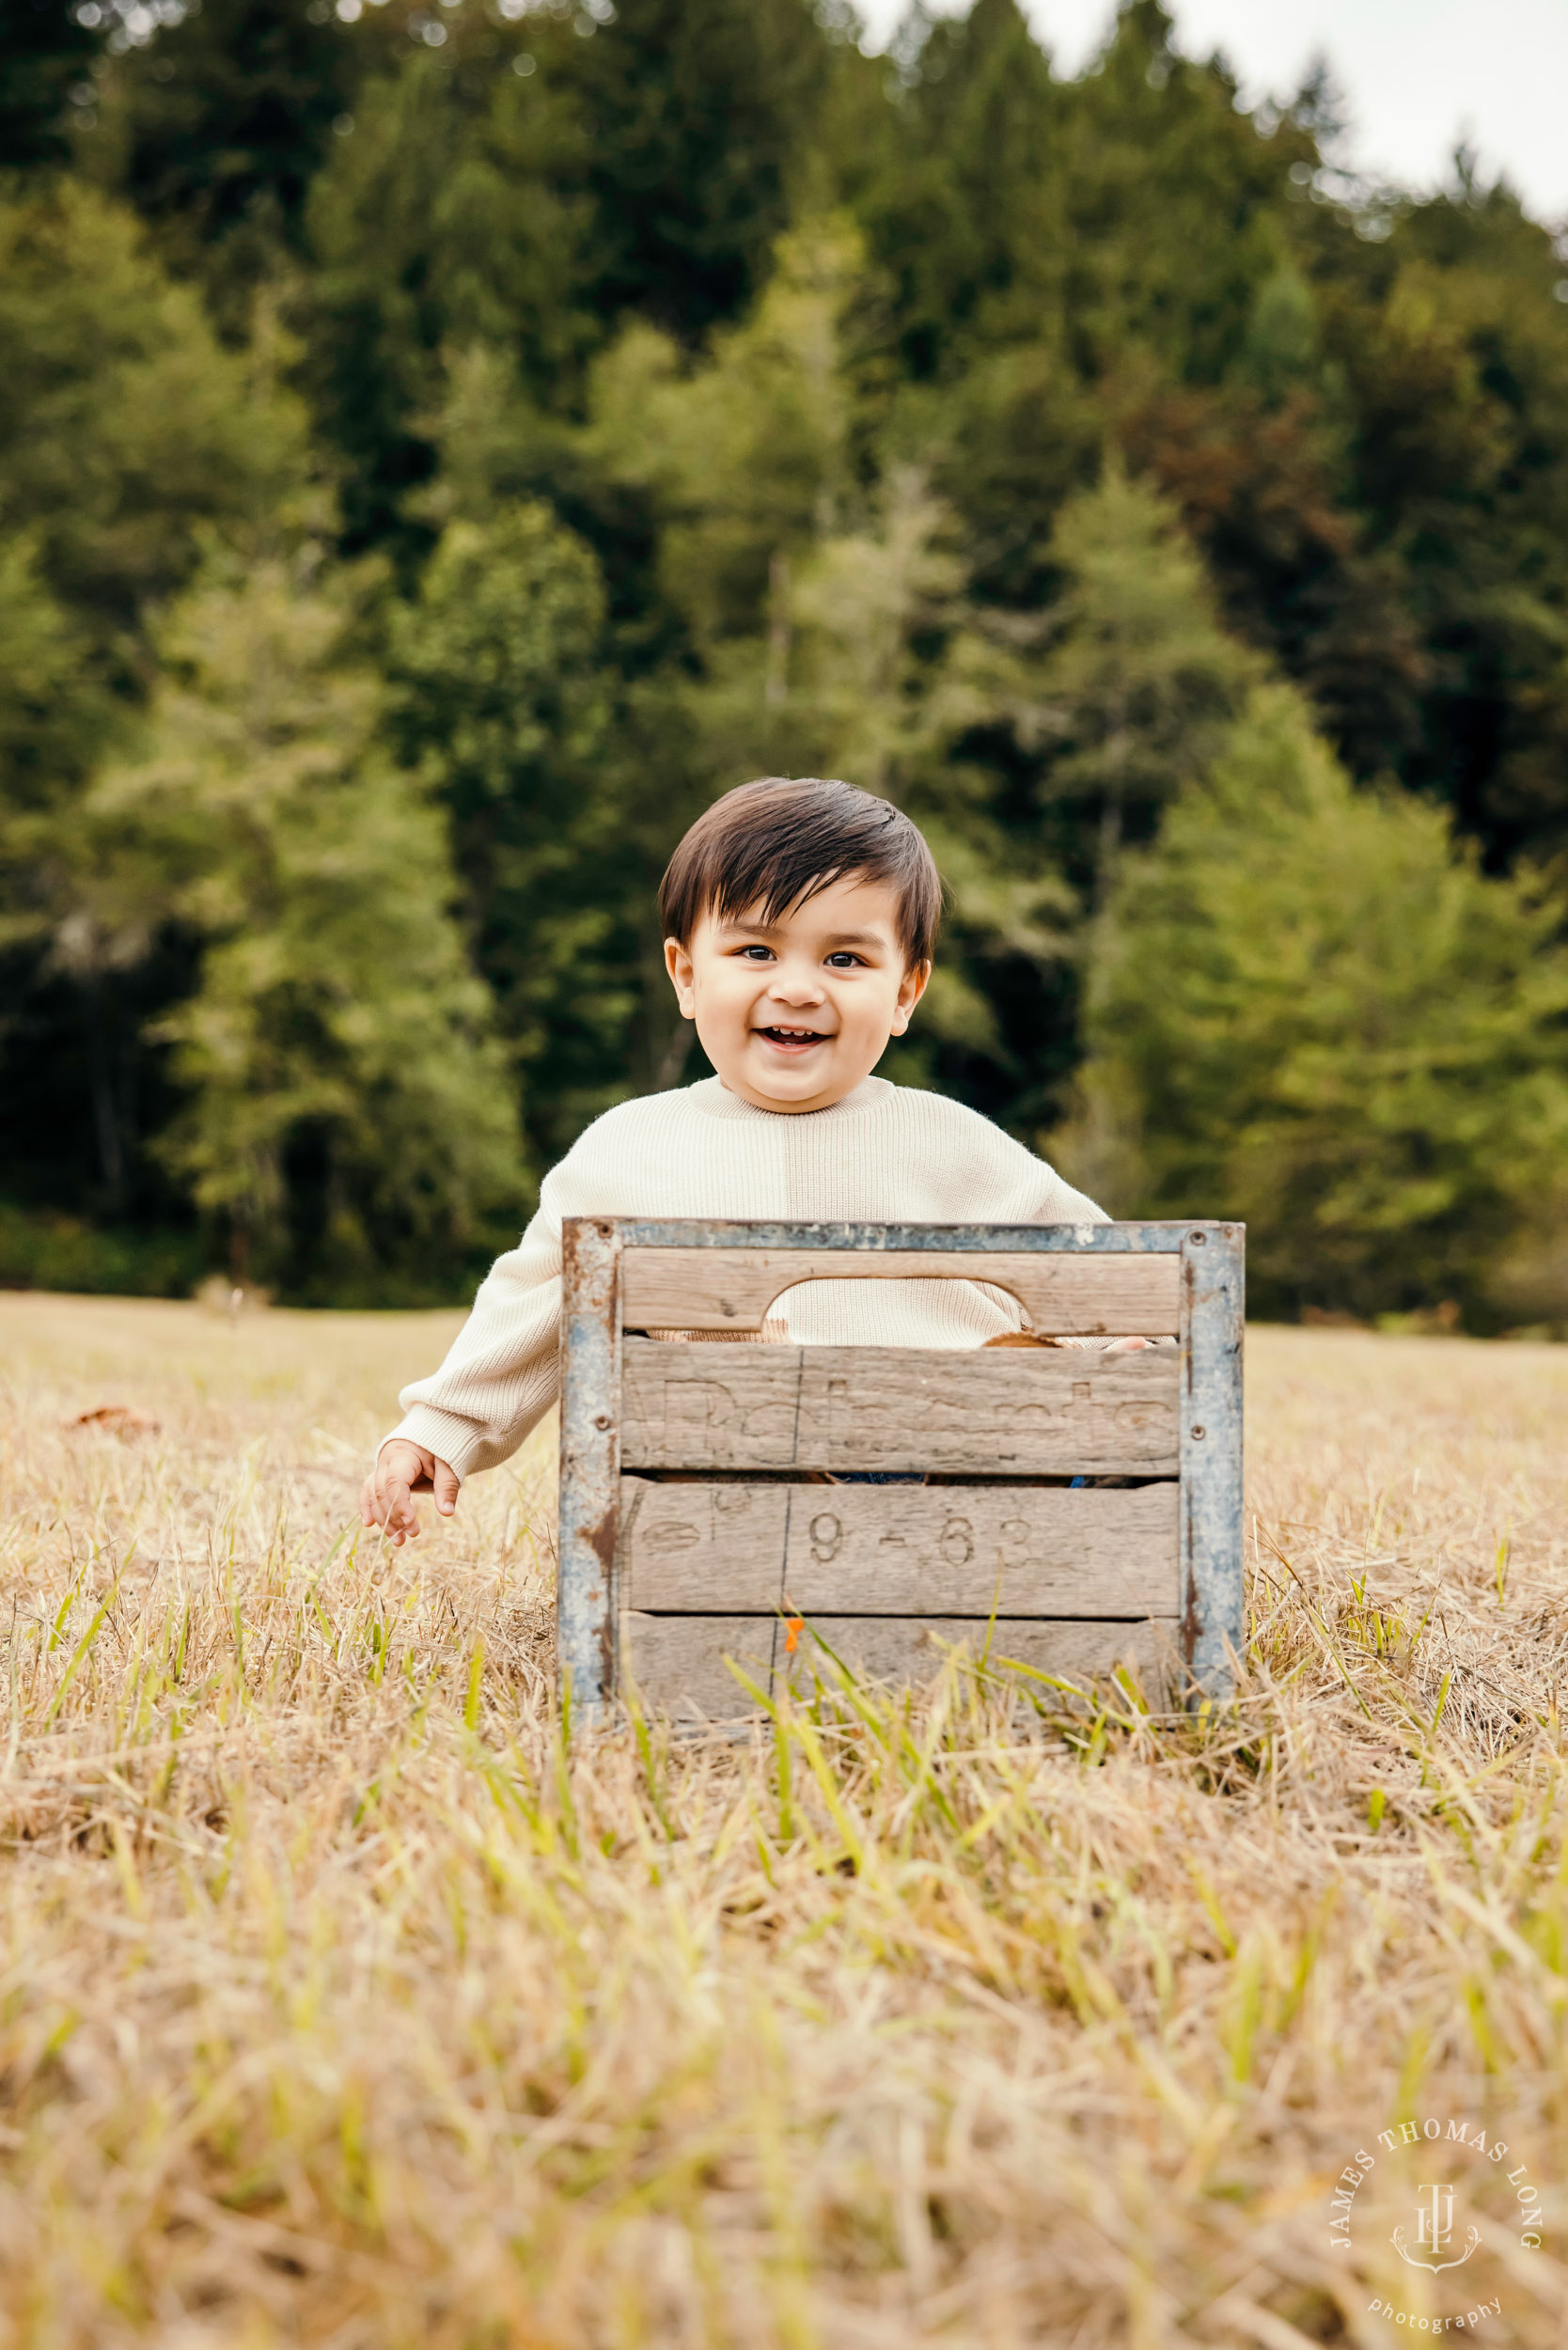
<point>342,2003</point>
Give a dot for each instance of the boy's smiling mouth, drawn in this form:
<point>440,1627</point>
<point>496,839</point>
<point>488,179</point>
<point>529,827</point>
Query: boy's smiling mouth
<point>791,1039</point>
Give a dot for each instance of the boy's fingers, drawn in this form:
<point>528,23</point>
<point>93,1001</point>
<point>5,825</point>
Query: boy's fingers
<point>401,1516</point>
<point>446,1488</point>
<point>402,1470</point>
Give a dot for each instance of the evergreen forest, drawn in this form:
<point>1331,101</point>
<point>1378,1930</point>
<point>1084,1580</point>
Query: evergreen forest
<point>444,443</point>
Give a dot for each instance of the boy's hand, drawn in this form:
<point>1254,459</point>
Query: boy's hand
<point>402,1470</point>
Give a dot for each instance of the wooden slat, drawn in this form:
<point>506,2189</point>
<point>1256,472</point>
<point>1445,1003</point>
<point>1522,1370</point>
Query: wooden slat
<point>899,1550</point>
<point>1009,1411</point>
<point>731,1288</point>
<point>678,1662</point>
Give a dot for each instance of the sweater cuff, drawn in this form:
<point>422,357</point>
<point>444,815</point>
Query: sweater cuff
<point>450,1437</point>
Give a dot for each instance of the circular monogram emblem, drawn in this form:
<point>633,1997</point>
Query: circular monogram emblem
<point>1448,2184</point>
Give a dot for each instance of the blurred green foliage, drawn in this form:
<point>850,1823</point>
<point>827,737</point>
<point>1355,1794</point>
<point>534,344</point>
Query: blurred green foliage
<point>39,1250</point>
<point>442,445</point>
<point>1304,1004</point>
<point>347,1104</point>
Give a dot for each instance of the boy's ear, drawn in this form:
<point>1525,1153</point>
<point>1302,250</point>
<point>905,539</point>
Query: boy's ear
<point>911,988</point>
<point>677,962</point>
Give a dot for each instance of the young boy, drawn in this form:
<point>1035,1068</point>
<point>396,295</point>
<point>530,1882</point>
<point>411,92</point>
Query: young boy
<point>799,922</point>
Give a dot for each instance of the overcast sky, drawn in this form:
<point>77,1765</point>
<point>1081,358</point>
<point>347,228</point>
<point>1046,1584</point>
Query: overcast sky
<point>1418,74</point>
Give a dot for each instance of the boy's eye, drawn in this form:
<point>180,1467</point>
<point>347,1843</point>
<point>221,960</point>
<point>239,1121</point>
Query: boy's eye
<point>843,961</point>
<point>758,953</point>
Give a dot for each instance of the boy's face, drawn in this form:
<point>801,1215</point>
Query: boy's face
<point>794,1013</point>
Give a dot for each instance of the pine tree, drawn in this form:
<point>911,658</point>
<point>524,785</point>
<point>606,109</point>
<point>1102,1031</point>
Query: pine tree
<point>128,436</point>
<point>499,705</point>
<point>127,432</point>
<point>1307,1010</point>
<point>964,206</point>
<point>350,1120</point>
<point>219,120</point>
<point>452,219</point>
<point>694,116</point>
<point>1136,683</point>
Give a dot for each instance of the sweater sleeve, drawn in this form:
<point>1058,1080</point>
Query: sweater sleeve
<point>1000,1181</point>
<point>500,1374</point>
<point>1060,1204</point>
<point>990,1179</point>
<point>1057,1202</point>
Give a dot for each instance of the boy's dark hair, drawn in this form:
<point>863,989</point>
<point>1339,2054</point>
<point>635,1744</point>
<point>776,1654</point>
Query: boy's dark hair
<point>774,842</point>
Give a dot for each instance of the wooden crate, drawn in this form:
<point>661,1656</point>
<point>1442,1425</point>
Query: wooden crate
<point>696,1525</point>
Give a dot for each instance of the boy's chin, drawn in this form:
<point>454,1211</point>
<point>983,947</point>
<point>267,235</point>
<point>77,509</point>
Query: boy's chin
<point>812,1084</point>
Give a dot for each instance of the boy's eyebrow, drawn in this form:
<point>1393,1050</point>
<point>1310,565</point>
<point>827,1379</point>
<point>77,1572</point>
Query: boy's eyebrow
<point>770,930</point>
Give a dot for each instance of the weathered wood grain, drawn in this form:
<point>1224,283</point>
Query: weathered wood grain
<point>731,1288</point>
<point>899,1550</point>
<point>590,1461</point>
<point>678,1663</point>
<point>1009,1411</point>
<point>1003,1415</point>
<point>1214,1611</point>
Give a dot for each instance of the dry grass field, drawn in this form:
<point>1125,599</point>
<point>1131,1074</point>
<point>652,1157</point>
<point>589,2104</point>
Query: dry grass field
<point>339,2004</point>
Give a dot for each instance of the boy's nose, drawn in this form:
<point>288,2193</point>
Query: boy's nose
<point>797,987</point>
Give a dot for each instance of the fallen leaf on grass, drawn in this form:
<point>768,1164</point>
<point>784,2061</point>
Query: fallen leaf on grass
<point>120,1419</point>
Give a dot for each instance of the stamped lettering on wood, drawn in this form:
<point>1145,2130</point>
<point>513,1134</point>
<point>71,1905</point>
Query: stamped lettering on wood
<point>1032,1550</point>
<point>869,1408</point>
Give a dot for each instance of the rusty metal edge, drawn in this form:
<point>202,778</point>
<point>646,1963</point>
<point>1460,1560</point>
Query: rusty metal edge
<point>589,1464</point>
<point>1116,1240</point>
<point>1213,1305</point>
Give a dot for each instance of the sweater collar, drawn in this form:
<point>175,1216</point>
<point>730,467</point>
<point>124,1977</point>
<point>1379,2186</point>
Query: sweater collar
<point>715,1101</point>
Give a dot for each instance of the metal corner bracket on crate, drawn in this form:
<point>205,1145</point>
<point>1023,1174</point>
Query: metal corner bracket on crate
<point>1172,1427</point>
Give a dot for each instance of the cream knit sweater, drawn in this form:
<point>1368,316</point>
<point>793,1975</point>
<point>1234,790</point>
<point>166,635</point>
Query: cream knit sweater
<point>885,1154</point>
